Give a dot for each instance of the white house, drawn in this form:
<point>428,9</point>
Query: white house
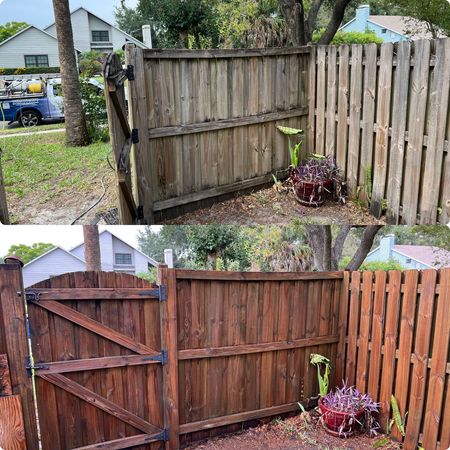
<point>33,47</point>
<point>410,256</point>
<point>116,256</point>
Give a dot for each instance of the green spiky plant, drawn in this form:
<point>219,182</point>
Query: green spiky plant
<point>318,361</point>
<point>294,150</point>
<point>397,417</point>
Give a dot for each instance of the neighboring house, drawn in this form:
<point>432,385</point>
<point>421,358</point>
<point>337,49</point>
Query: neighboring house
<point>33,47</point>
<point>116,256</point>
<point>410,256</point>
<point>388,28</point>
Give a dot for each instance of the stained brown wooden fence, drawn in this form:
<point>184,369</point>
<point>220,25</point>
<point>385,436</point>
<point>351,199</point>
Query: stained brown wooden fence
<point>396,342</point>
<point>120,363</point>
<point>205,121</point>
<point>383,112</point>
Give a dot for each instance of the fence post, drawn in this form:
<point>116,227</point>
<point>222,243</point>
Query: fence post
<point>4,216</point>
<point>167,277</point>
<point>13,342</point>
<point>144,164</point>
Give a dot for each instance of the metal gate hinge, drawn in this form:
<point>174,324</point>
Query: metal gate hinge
<point>130,72</point>
<point>135,136</point>
<point>30,367</point>
<point>162,293</point>
<point>165,435</point>
<point>162,357</point>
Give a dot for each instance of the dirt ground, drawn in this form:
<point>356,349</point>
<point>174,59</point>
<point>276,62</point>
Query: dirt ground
<point>268,206</point>
<point>296,433</point>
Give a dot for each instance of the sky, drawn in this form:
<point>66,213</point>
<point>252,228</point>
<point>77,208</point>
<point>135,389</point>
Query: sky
<point>40,12</point>
<point>65,236</point>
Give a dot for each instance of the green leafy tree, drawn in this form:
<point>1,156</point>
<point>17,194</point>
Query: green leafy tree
<point>176,23</point>
<point>29,252</point>
<point>10,29</point>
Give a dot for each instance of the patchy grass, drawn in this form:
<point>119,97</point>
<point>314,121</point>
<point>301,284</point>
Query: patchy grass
<point>40,172</point>
<point>18,129</point>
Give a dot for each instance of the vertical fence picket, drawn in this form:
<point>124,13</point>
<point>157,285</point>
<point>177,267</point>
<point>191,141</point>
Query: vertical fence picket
<point>342,327</point>
<point>377,333</point>
<point>438,116</point>
<point>420,358</point>
<point>330,138</point>
<point>353,321</point>
<point>342,110</point>
<point>439,354</point>
<point>382,132</point>
<point>354,128</point>
<point>390,346</point>
<point>312,74</point>
<point>416,126</point>
<point>321,99</point>
<point>399,114</point>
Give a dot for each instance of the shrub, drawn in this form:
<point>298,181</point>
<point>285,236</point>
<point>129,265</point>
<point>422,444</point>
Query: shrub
<point>91,63</point>
<point>95,110</point>
<point>150,276</point>
<point>373,266</point>
<point>28,70</point>
<point>351,37</point>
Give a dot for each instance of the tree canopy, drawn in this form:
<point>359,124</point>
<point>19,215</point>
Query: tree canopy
<point>29,252</point>
<point>10,29</point>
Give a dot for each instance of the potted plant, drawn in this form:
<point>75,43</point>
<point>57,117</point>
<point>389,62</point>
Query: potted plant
<point>315,178</point>
<point>346,410</point>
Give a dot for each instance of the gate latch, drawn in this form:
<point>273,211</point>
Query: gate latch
<point>32,296</point>
<point>162,357</point>
<point>30,367</point>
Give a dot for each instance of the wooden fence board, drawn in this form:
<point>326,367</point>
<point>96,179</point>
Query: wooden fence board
<point>330,137</point>
<point>12,431</point>
<point>399,115</point>
<point>343,100</point>
<point>438,362</point>
<point>381,140</point>
<point>416,124</point>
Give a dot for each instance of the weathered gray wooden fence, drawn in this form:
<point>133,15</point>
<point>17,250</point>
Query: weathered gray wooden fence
<point>202,124</point>
<point>206,121</point>
<point>383,112</point>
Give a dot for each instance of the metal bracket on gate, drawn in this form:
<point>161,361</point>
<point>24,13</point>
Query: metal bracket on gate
<point>30,367</point>
<point>32,296</point>
<point>160,292</point>
<point>162,357</point>
<point>164,436</point>
<point>127,74</point>
<point>140,212</point>
<point>130,72</point>
<point>135,136</point>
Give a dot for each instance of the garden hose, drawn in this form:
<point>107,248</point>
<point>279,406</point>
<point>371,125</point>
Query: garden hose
<point>94,204</point>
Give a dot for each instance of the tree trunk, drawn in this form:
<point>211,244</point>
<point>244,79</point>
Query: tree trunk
<point>327,255</point>
<point>293,13</point>
<point>364,247</point>
<point>92,248</point>
<point>335,21</point>
<point>76,130</point>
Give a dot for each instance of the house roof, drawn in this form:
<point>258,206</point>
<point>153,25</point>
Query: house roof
<point>134,40</point>
<point>26,29</point>
<point>434,257</point>
<point>151,260</point>
<point>50,251</point>
<point>400,25</point>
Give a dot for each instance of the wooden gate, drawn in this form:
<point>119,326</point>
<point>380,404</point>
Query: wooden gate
<point>98,355</point>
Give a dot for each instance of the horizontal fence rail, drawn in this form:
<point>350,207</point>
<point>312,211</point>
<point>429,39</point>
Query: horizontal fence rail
<point>383,112</point>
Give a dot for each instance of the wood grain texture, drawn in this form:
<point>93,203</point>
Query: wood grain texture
<point>12,431</point>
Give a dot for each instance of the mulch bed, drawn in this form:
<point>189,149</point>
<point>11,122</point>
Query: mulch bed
<point>300,432</point>
<point>269,206</point>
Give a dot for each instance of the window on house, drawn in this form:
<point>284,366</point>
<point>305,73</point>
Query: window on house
<point>384,30</point>
<point>149,266</point>
<point>123,258</point>
<point>408,260</point>
<point>36,61</point>
<point>100,36</point>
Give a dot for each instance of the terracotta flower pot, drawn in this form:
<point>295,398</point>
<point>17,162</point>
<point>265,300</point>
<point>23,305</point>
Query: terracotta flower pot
<point>312,193</point>
<point>340,423</point>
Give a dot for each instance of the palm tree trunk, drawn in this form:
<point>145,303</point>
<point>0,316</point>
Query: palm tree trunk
<point>92,248</point>
<point>76,130</point>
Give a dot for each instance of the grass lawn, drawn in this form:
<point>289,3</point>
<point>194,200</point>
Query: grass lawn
<point>18,129</point>
<point>41,174</point>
